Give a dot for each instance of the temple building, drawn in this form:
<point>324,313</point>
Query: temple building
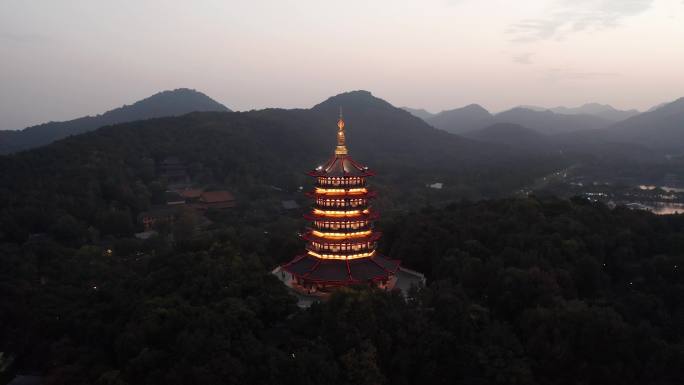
<point>341,242</point>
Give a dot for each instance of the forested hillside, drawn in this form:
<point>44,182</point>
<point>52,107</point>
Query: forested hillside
<point>167,103</point>
<point>519,292</point>
<point>97,183</point>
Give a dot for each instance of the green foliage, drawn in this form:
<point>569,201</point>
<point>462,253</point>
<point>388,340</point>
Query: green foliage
<point>520,292</point>
<point>104,179</point>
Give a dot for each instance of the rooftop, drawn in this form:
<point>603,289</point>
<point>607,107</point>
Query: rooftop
<point>216,196</point>
<point>340,271</point>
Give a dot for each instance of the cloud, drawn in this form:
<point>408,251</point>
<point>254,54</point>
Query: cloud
<point>523,58</point>
<point>569,16</point>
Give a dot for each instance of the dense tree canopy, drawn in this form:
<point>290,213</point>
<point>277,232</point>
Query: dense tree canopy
<point>520,292</point>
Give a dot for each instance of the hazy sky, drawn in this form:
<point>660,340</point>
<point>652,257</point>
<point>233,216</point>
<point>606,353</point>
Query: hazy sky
<point>61,59</point>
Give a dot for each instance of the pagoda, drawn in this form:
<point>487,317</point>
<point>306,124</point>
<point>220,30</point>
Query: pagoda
<point>341,242</point>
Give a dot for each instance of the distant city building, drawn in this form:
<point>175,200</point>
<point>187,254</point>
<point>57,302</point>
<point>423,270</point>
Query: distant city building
<point>341,245</point>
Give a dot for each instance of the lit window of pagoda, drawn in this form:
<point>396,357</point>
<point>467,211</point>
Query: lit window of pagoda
<point>341,244</point>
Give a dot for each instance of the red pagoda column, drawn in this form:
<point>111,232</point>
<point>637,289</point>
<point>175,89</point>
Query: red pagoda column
<point>341,243</point>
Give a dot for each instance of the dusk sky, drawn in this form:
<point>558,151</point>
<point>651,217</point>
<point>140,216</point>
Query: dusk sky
<point>64,59</point>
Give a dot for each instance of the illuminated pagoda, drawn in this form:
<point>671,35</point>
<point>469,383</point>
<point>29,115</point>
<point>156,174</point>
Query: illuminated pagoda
<point>341,243</point>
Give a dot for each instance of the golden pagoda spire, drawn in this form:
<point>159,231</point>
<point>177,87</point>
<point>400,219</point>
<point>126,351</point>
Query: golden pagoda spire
<point>341,146</point>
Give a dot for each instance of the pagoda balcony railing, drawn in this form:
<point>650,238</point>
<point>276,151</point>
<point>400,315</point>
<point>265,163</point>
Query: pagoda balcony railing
<point>361,216</point>
<point>341,208</point>
<point>337,204</point>
<point>341,226</point>
<point>341,182</point>
<point>341,248</point>
<point>325,238</point>
<point>341,193</point>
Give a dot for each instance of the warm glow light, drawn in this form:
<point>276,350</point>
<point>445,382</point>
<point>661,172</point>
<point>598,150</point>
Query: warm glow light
<point>333,256</point>
<point>351,213</point>
<point>341,191</point>
<point>341,235</point>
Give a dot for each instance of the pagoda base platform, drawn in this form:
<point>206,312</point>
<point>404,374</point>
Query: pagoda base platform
<point>324,273</point>
<point>403,280</point>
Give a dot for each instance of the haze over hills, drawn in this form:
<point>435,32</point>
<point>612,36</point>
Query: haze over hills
<point>382,132</point>
<point>548,122</point>
<point>604,111</point>
<point>167,103</point>
<point>586,128</point>
<point>461,120</point>
<point>662,128</point>
<point>392,139</point>
<point>474,117</point>
<point>419,112</point>
<point>513,135</point>
<point>263,148</point>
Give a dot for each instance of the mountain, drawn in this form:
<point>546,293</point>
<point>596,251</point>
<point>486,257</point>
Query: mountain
<point>549,122</point>
<point>460,120</point>
<point>533,108</point>
<point>604,111</point>
<point>662,128</point>
<point>474,117</point>
<point>112,170</point>
<point>167,103</point>
<point>657,106</point>
<point>419,112</point>
<point>393,138</point>
<point>511,135</point>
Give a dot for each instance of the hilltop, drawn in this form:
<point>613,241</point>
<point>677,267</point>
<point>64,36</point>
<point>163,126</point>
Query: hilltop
<point>167,103</point>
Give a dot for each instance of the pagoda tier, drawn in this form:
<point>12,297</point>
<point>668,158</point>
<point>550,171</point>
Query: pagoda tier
<point>317,215</point>
<point>342,225</point>
<point>341,241</point>
<point>358,193</point>
<point>341,171</point>
<point>319,235</point>
<point>360,237</point>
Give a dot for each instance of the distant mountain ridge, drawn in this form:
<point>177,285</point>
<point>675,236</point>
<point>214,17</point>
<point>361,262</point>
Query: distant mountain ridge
<point>419,112</point>
<point>167,103</point>
<point>272,147</point>
<point>462,120</point>
<point>604,111</point>
<point>661,128</point>
<point>475,117</point>
<point>549,122</point>
<point>513,135</point>
<point>555,120</point>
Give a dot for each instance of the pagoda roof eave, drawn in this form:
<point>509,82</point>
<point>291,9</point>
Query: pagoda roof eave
<point>345,269</point>
<point>356,218</point>
<point>366,195</point>
<point>364,174</point>
<point>341,165</point>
